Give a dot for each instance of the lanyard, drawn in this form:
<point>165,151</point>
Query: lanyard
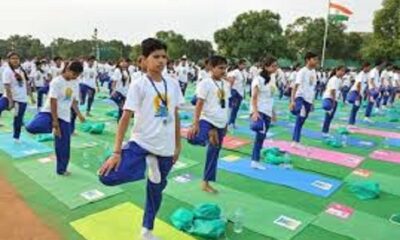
<point>164,101</point>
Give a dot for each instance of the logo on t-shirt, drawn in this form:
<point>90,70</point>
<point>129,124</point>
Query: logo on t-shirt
<point>159,108</point>
<point>68,94</point>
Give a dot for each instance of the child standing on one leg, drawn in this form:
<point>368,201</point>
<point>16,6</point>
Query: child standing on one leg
<point>155,139</point>
<point>357,92</point>
<point>211,118</point>
<point>331,97</point>
<point>17,89</point>
<point>261,108</point>
<point>238,78</point>
<point>90,84</point>
<point>41,79</point>
<point>121,80</point>
<point>303,94</point>
<point>56,114</point>
<point>374,91</point>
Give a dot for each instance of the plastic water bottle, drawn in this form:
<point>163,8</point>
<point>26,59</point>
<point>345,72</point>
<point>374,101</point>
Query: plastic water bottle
<point>238,221</point>
<point>344,140</point>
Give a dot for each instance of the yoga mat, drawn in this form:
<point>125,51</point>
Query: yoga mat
<point>358,225</point>
<point>78,189</point>
<point>122,222</point>
<point>343,159</point>
<point>303,181</point>
<point>387,183</point>
<point>229,142</point>
<point>393,142</point>
<point>384,125</point>
<point>351,141</point>
<point>388,156</point>
<point>259,214</point>
<point>26,147</point>
<point>247,131</point>
<point>374,132</point>
<point>183,163</point>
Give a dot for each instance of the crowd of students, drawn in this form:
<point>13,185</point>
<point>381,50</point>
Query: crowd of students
<point>151,90</point>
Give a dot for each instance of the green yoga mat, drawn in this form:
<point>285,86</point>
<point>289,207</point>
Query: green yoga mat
<point>80,142</point>
<point>259,214</point>
<point>122,222</point>
<point>359,226</point>
<point>387,183</point>
<point>183,163</point>
<point>78,189</point>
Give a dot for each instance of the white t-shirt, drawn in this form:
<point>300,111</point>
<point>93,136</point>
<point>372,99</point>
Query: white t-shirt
<point>56,71</point>
<point>292,78</point>
<point>396,79</point>
<point>239,80</point>
<point>150,130</point>
<point>374,76</point>
<point>132,69</point>
<point>307,80</point>
<point>120,86</point>
<point>334,83</point>
<point>346,80</point>
<point>18,88</point>
<point>265,99</point>
<point>279,77</point>
<point>39,77</point>
<point>1,78</point>
<point>183,72</point>
<point>212,111</point>
<point>89,77</point>
<point>65,92</point>
<point>203,74</point>
<point>361,78</point>
<point>254,72</point>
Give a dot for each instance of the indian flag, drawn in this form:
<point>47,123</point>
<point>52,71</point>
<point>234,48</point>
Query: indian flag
<point>338,12</point>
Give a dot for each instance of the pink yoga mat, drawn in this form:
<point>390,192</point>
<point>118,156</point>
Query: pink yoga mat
<point>343,159</point>
<point>387,156</point>
<point>373,132</point>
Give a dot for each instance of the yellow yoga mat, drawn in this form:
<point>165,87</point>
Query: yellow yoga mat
<point>122,222</point>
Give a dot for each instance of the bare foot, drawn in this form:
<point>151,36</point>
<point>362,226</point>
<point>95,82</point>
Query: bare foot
<point>66,174</point>
<point>206,187</point>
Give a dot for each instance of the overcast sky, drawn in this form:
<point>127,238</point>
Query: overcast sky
<point>133,20</point>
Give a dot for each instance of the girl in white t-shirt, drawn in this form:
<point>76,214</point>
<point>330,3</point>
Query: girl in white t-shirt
<point>90,84</point>
<point>211,118</point>
<point>155,140</point>
<point>261,108</point>
<point>17,89</point>
<point>41,82</point>
<point>331,96</point>
<point>55,116</point>
<point>121,80</point>
<point>238,78</point>
<point>357,92</point>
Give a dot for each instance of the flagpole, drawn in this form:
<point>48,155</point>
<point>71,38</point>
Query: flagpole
<point>325,35</point>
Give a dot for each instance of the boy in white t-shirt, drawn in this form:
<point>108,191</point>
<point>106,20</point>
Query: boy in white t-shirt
<point>238,78</point>
<point>41,80</point>
<point>121,79</point>
<point>155,139</point>
<point>90,84</point>
<point>330,98</point>
<point>211,117</point>
<point>183,70</point>
<point>357,92</point>
<point>55,116</point>
<point>303,94</point>
<point>374,90</point>
<point>17,89</point>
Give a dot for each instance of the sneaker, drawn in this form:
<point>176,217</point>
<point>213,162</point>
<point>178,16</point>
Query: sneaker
<point>368,120</point>
<point>148,235</point>
<point>17,141</point>
<point>326,135</point>
<point>257,165</point>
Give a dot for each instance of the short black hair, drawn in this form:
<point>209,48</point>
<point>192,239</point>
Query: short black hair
<point>75,66</point>
<point>57,58</point>
<point>217,60</point>
<point>12,53</point>
<point>150,45</point>
<point>242,61</point>
<point>366,64</point>
<point>91,58</point>
<point>268,61</point>
<point>309,55</point>
<point>379,62</point>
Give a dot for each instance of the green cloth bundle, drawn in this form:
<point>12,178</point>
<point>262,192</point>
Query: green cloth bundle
<point>365,190</point>
<point>92,127</point>
<point>342,131</point>
<point>274,156</point>
<point>45,137</point>
<point>113,113</point>
<point>205,221</point>
<point>333,143</point>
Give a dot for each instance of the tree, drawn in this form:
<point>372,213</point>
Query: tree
<point>385,41</point>
<point>253,35</point>
<point>176,43</point>
<point>198,49</point>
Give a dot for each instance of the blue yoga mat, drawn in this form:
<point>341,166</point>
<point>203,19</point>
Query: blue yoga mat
<point>383,125</point>
<point>393,142</point>
<point>303,181</point>
<point>245,130</point>
<point>26,147</point>
<point>351,141</point>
